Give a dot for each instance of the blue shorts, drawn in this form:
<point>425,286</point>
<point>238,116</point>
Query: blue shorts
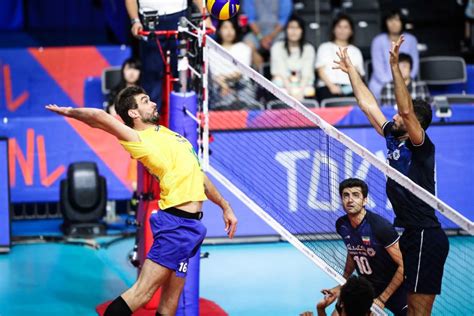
<point>175,240</point>
<point>424,255</point>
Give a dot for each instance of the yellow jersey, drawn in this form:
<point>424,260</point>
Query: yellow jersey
<point>171,159</point>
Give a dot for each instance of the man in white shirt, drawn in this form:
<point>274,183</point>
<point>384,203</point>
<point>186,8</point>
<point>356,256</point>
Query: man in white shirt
<point>169,14</point>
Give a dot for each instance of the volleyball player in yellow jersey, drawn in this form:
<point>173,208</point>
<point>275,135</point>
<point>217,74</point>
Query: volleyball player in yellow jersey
<point>177,230</point>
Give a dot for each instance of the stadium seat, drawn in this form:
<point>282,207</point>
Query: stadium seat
<point>361,5</point>
<point>337,102</point>
<point>278,104</point>
<point>366,27</point>
<point>443,70</point>
<point>110,79</point>
<point>459,98</point>
<point>311,7</point>
<point>317,27</point>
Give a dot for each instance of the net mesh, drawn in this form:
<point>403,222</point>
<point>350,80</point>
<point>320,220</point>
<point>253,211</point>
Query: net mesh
<point>291,168</point>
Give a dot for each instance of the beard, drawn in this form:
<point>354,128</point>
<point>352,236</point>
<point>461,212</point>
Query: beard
<point>397,131</point>
<point>151,119</point>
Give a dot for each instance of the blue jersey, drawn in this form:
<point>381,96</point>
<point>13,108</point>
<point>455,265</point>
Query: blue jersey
<point>367,244</point>
<point>418,164</point>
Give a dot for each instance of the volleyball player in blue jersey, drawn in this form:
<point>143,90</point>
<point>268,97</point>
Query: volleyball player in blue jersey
<point>424,244</point>
<point>372,248</point>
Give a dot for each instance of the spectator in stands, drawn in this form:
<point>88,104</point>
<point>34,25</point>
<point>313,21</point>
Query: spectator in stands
<point>333,83</point>
<point>130,76</point>
<point>393,26</point>
<point>229,89</point>
<point>266,19</point>
<point>355,299</point>
<point>292,60</point>
<point>417,89</point>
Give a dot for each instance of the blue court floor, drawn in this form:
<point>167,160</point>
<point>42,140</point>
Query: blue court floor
<point>246,279</point>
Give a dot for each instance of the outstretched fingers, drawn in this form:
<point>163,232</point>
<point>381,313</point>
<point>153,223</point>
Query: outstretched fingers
<point>58,109</point>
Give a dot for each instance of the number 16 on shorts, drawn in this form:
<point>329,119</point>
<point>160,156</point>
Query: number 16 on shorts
<point>183,267</point>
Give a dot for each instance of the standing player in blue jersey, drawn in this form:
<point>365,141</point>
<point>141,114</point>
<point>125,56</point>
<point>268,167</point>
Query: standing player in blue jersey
<point>372,248</point>
<point>424,244</point>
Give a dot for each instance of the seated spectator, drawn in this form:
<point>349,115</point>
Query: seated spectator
<point>356,298</point>
<point>229,89</point>
<point>333,83</point>
<point>417,89</point>
<point>393,26</point>
<point>131,69</point>
<point>292,60</point>
<point>266,19</point>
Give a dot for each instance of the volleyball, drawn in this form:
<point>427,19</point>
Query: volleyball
<point>223,9</point>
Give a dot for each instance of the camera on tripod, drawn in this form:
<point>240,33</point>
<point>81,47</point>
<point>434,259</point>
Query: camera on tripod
<point>150,20</point>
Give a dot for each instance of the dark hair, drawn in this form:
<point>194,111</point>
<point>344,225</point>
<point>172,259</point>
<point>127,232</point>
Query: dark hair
<point>402,57</point>
<point>126,101</point>
<point>423,112</point>
<point>235,24</point>
<point>352,183</point>
<point>390,15</point>
<point>132,63</point>
<point>357,296</point>
<point>336,21</point>
<point>301,42</point>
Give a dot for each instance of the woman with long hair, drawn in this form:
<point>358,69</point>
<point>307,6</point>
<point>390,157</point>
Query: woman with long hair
<point>292,60</point>
<point>130,76</point>
<point>333,83</point>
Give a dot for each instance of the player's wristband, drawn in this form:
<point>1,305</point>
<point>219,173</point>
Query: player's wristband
<point>136,20</point>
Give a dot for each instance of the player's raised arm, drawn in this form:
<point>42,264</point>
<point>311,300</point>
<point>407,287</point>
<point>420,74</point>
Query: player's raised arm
<point>403,98</point>
<point>365,98</point>
<point>98,119</point>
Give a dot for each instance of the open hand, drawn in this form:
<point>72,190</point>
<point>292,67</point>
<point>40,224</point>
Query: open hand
<point>344,63</point>
<point>395,50</point>
<point>61,110</point>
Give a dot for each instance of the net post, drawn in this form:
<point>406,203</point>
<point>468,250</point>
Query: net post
<point>204,153</point>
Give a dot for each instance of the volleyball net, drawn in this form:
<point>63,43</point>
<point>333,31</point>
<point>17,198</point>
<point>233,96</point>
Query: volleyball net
<point>284,160</point>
